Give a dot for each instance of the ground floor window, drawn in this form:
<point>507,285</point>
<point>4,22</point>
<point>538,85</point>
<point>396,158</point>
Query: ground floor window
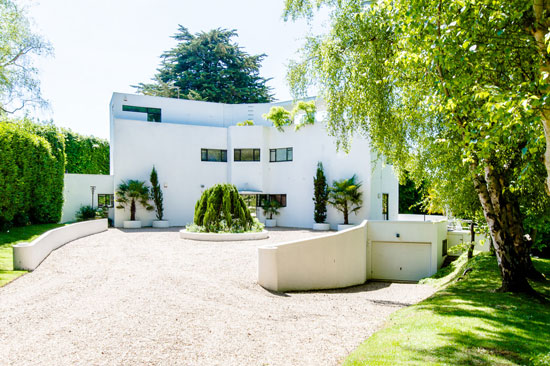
<point>214,155</point>
<point>105,200</point>
<point>262,198</point>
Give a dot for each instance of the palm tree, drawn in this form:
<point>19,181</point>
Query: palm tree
<point>345,196</point>
<point>130,192</point>
<point>271,207</point>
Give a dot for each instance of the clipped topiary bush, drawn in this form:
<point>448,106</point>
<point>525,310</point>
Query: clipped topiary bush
<point>221,208</point>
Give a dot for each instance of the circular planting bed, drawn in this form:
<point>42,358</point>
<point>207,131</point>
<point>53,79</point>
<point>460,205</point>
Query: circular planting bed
<point>184,234</point>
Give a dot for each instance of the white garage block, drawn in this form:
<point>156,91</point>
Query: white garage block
<point>400,261</point>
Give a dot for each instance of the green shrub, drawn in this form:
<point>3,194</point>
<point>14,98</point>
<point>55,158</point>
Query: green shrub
<point>156,194</point>
<point>88,213</point>
<point>31,174</point>
<point>86,154</point>
<point>320,195</point>
<point>221,208</point>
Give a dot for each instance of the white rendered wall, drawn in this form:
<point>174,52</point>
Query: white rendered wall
<point>174,148</point>
<point>27,256</point>
<point>329,261</point>
<point>77,192</point>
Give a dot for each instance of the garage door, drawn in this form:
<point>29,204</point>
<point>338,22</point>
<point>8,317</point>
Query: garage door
<point>400,261</point>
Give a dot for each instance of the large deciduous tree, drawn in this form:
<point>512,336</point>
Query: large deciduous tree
<point>209,66</point>
<point>430,81</point>
<point>19,86</point>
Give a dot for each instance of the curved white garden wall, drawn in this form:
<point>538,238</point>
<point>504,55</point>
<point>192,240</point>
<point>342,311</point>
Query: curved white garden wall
<point>27,256</point>
<point>329,261</point>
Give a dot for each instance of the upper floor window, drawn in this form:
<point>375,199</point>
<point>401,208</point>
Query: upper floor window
<point>246,155</point>
<point>213,155</point>
<point>153,114</point>
<point>284,154</point>
<point>105,200</point>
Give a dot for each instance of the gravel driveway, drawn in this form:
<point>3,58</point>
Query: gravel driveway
<point>147,297</point>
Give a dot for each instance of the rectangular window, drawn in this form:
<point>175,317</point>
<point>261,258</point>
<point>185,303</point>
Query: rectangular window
<point>214,155</point>
<point>105,200</point>
<point>246,155</point>
<point>385,206</point>
<point>284,154</point>
<point>262,198</point>
<point>153,114</point>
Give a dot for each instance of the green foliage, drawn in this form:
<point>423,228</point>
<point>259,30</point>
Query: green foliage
<point>18,44</point>
<point>320,194</point>
<point>280,117</point>
<point>156,194</point>
<point>209,66</point>
<point>246,123</point>
<point>464,323</point>
<point>221,208</point>
<point>345,196</point>
<point>85,213</point>
<point>85,154</point>
<point>270,208</point>
<point>31,175</point>
<point>410,198</point>
<point>131,192</point>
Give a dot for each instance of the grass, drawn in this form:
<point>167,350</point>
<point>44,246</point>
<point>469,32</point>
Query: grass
<point>11,237</point>
<point>465,323</point>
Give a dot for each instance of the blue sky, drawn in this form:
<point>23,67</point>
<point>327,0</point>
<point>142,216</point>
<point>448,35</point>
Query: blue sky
<point>103,46</point>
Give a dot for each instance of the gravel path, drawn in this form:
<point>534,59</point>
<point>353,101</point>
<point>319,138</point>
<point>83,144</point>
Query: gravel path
<point>150,298</point>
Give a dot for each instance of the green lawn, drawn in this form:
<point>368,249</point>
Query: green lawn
<point>465,323</point>
<point>14,236</point>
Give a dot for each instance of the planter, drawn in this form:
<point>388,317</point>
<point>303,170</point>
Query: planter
<point>184,234</point>
<point>161,223</point>
<point>345,226</point>
<point>321,226</point>
<point>270,222</point>
<point>132,224</point>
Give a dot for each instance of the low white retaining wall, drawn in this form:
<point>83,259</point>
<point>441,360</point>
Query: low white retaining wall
<point>27,256</point>
<point>329,261</point>
<point>456,237</point>
<point>184,234</point>
<point>416,217</point>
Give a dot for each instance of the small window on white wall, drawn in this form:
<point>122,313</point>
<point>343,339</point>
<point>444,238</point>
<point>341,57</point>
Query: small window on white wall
<point>385,206</point>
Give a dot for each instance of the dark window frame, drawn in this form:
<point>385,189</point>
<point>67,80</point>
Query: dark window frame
<point>273,155</point>
<point>153,114</point>
<point>103,196</point>
<point>223,155</point>
<point>237,155</point>
<point>261,198</point>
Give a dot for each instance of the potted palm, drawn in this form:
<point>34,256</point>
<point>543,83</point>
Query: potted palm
<point>157,198</point>
<point>270,208</point>
<point>345,196</point>
<point>320,197</point>
<point>130,193</point>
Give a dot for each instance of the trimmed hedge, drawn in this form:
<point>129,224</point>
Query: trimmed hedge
<point>85,154</point>
<point>220,207</point>
<point>32,164</point>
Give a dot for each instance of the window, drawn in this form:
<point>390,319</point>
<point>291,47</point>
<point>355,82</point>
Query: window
<point>284,154</point>
<point>385,204</point>
<point>262,198</point>
<point>213,155</point>
<point>153,114</point>
<point>246,155</point>
<point>105,200</point>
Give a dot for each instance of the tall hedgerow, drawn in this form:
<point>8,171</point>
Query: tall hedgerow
<point>31,175</point>
<point>85,154</point>
<point>222,206</point>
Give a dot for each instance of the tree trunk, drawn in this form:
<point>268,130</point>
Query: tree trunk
<point>541,11</point>
<point>472,240</point>
<point>346,214</point>
<point>133,210</point>
<point>501,210</point>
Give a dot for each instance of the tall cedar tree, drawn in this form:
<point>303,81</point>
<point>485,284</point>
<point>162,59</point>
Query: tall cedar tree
<point>208,66</point>
<point>320,195</point>
<point>156,194</point>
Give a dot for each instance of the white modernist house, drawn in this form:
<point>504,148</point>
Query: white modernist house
<point>195,144</point>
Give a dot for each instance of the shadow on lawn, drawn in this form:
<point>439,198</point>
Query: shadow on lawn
<point>511,323</point>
